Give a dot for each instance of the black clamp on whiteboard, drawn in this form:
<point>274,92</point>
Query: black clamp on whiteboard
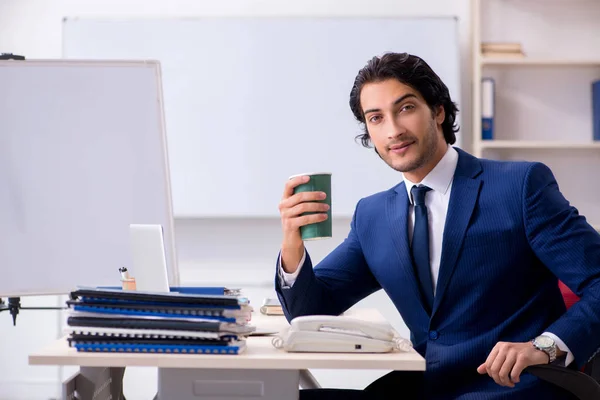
<point>11,56</point>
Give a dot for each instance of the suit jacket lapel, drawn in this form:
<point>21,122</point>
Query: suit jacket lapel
<point>463,197</point>
<point>397,214</point>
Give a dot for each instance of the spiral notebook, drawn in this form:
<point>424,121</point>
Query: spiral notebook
<point>241,313</point>
<point>158,348</point>
<point>121,296</point>
<point>95,343</point>
<point>106,312</point>
<point>94,338</point>
<point>163,334</point>
<point>154,323</point>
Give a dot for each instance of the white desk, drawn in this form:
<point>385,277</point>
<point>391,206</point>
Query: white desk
<point>261,372</point>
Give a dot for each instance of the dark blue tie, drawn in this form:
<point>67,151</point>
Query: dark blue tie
<point>420,244</point>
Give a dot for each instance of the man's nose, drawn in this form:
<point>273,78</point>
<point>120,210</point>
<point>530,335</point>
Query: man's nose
<point>395,129</point>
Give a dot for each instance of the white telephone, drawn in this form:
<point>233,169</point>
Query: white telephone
<point>339,334</point>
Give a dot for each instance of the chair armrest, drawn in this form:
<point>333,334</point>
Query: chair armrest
<point>583,386</point>
<point>592,368</point>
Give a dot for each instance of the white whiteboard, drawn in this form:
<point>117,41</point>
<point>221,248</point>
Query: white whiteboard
<point>82,156</point>
<point>251,101</point>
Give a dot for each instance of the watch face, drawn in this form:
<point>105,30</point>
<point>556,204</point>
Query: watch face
<point>544,341</point>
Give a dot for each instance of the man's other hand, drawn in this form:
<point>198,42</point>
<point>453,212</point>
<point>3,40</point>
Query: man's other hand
<point>507,360</point>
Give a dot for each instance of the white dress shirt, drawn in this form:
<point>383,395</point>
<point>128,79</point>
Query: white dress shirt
<point>436,200</point>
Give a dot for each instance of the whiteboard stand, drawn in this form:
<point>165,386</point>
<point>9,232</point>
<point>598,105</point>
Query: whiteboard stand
<point>94,383</point>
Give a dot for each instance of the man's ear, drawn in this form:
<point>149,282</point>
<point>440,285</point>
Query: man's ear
<point>440,114</point>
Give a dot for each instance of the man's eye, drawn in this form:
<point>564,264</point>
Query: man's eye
<point>407,107</point>
<point>374,119</point>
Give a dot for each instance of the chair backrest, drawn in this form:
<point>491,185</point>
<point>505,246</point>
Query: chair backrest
<point>593,367</point>
<point>569,297</point>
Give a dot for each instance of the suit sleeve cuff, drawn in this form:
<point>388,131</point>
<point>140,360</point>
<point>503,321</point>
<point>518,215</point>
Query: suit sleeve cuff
<point>561,345</point>
<point>287,280</point>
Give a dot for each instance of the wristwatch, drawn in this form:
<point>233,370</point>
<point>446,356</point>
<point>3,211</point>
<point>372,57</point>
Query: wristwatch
<point>547,345</point>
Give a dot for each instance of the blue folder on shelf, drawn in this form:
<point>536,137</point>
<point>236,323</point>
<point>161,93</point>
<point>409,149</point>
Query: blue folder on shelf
<point>488,108</point>
<point>596,110</point>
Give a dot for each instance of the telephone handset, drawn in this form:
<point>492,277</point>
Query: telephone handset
<point>339,334</point>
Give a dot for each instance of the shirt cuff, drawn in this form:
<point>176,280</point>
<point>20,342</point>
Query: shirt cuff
<point>287,279</point>
<point>561,345</point>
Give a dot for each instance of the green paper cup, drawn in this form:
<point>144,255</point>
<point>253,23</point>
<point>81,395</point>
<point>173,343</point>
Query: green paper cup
<point>319,182</point>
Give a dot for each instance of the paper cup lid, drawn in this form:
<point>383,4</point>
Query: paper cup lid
<point>310,173</point>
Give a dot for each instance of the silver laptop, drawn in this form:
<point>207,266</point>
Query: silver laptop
<point>149,259</point>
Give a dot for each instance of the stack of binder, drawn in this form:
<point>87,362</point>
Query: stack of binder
<point>106,320</point>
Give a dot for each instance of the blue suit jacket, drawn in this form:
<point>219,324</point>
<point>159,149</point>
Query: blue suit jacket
<point>509,235</point>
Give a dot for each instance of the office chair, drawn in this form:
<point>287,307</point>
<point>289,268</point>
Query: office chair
<point>585,384</point>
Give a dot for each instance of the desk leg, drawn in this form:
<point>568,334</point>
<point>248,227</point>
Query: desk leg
<point>227,384</point>
<point>308,380</point>
<point>94,383</point>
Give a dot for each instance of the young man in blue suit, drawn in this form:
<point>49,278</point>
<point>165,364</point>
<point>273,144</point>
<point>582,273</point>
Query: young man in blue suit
<point>469,251</point>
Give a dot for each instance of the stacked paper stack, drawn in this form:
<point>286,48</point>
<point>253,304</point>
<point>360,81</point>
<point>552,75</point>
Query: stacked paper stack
<point>104,320</point>
<point>502,50</point>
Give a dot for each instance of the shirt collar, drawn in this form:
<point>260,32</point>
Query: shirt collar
<point>440,177</point>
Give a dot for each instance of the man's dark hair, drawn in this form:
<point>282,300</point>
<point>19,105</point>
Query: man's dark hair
<point>411,71</point>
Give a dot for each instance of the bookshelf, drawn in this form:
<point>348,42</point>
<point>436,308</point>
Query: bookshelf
<point>538,62</point>
<point>537,144</point>
<point>541,111</point>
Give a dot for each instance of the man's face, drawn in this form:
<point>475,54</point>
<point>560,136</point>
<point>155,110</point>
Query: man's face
<point>403,129</point>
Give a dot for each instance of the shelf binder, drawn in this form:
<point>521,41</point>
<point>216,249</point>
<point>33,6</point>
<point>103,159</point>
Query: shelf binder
<point>596,110</point>
<point>487,108</point>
